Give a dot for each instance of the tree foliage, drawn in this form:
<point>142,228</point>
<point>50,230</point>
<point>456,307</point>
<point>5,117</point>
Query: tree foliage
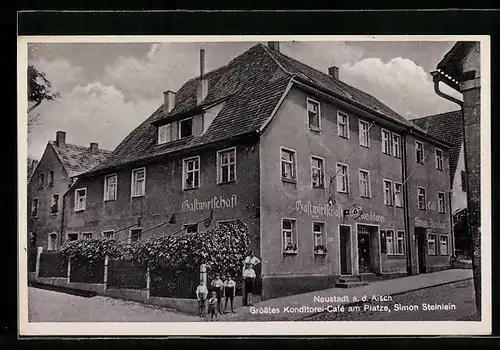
<point>39,88</point>
<point>91,251</point>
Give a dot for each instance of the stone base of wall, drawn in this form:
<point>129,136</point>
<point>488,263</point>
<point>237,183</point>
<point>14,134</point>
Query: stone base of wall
<point>279,286</point>
<point>97,288</point>
<point>139,295</point>
<point>188,306</point>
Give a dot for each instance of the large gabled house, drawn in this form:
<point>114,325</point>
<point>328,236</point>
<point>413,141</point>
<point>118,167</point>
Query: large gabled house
<point>330,181</point>
<point>59,167</point>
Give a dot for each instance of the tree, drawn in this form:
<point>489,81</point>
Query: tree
<point>39,90</point>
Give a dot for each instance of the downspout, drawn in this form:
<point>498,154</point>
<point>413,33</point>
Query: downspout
<point>409,234</point>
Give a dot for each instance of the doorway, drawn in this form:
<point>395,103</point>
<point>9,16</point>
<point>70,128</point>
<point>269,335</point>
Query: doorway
<point>345,250</point>
<point>420,234</point>
<point>364,261</point>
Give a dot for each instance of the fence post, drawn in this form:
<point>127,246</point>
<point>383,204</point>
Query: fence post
<point>39,251</point>
<point>148,283</point>
<point>68,274</point>
<point>203,273</point>
<point>106,261</point>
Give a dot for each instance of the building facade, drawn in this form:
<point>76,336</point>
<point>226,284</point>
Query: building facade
<point>329,180</point>
<point>51,177</point>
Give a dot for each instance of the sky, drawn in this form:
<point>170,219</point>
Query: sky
<point>108,89</point>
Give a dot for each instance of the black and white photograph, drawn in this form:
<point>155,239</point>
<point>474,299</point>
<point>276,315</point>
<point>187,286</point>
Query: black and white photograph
<point>191,185</point>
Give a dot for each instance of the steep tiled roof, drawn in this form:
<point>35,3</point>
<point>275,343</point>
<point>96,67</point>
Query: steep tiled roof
<point>449,128</point>
<point>78,159</point>
<point>250,86</point>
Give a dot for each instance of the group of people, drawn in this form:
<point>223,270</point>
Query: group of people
<point>220,289</point>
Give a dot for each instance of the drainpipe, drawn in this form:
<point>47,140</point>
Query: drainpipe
<point>409,234</point>
<point>436,78</point>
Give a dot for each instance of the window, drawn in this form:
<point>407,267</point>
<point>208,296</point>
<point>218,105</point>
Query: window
<point>289,236</point>
<point>185,128</point>
<point>34,208</point>
<point>135,234</point>
<point>399,247</point>
<point>342,124</point>
<point>190,228</point>
<point>318,172</point>
<point>386,142</point>
<point>439,159</point>
<point>191,173</point>
<point>422,198</point>
<point>383,242</point>
<point>72,237</point>
<point>443,245</point>
<point>51,178</point>
<point>364,183</point>
<point>398,195</point>
<point>52,243</point>
<point>431,244</point>
<point>419,149</point>
<point>138,182</point>
<point>80,199</point>
<point>441,206</point>
<point>318,233</point>
<point>41,180</point>
<point>164,134</point>
<point>313,114</point>
<point>110,234</point>
<point>86,236</point>
<point>388,196</point>
<point>463,180</point>
<point>110,187</point>
<point>342,178</point>
<point>54,205</point>
<point>389,240</point>
<point>396,145</point>
<point>364,134</point>
<point>288,165</point>
<point>226,165</point>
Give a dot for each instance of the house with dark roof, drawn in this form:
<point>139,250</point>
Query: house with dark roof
<point>59,167</point>
<point>330,181</point>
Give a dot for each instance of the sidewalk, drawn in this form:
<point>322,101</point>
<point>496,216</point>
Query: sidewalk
<point>379,288</point>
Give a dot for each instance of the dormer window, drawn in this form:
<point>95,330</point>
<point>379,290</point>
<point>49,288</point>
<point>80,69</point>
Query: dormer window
<point>185,128</point>
<point>164,134</point>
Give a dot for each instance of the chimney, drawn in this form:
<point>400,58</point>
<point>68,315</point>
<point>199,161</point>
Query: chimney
<point>334,72</point>
<point>274,45</point>
<point>94,147</point>
<point>60,139</point>
<point>169,101</point>
<point>202,89</point>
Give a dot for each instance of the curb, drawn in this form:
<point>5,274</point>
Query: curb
<point>393,294</point>
<point>71,291</point>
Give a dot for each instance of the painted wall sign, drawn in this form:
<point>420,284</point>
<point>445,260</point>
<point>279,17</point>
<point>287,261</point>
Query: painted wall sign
<point>316,210</point>
<point>429,223</point>
<point>371,216</point>
<point>212,203</point>
<point>431,205</point>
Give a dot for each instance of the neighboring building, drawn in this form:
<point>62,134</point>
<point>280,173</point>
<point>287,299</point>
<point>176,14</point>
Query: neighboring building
<point>291,151</point>
<point>58,168</point>
<point>32,163</point>
<point>449,128</point>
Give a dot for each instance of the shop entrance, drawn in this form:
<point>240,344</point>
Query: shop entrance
<point>368,249</point>
<point>420,234</point>
<point>345,250</point>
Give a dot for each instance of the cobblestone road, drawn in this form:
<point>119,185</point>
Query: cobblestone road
<point>51,306</point>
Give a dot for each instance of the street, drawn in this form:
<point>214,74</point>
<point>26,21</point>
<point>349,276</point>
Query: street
<point>461,294</point>
<point>51,306</point>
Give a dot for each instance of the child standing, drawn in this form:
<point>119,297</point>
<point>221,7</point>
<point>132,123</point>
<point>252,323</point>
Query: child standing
<point>201,294</point>
<point>218,286</point>
<point>229,291</point>
<point>212,306</point>
<point>248,277</point>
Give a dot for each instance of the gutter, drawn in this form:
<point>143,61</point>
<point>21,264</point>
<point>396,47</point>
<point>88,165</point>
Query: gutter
<point>406,204</point>
<point>438,77</point>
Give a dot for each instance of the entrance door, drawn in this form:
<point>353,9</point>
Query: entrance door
<point>364,262</point>
<point>420,234</point>
<point>345,250</point>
